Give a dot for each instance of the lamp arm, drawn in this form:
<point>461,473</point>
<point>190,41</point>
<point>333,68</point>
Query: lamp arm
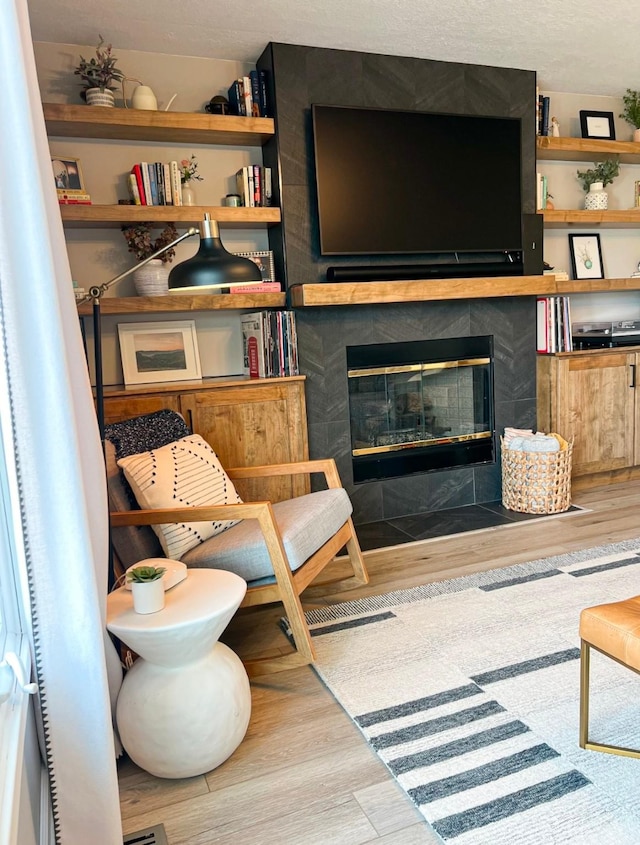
<point>97,291</point>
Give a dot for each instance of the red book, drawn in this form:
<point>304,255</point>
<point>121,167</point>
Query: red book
<point>137,172</point>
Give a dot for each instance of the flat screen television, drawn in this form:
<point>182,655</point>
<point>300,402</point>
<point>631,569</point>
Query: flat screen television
<point>399,182</point>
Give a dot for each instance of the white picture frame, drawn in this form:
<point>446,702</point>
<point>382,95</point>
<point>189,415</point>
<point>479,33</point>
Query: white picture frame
<point>159,352</point>
<point>265,262</point>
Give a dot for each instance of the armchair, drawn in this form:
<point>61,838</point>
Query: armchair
<point>279,549</point>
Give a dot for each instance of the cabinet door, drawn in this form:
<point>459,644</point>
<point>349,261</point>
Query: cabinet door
<point>117,408</point>
<point>596,402</point>
<point>252,424</point>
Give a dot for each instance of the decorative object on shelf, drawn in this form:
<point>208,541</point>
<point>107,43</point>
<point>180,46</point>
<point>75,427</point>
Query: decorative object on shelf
<point>586,256</point>
<point>212,267</point>
<point>98,75</point>
<point>159,352</point>
<point>233,200</point>
<point>189,174</point>
<point>555,127</point>
<point>594,181</point>
<point>597,124</point>
<point>152,279</point>
<point>142,97</point>
<point>631,111</point>
<point>147,588</point>
<point>217,105</point>
<point>68,178</point>
<point>264,261</point>
<point>188,193</point>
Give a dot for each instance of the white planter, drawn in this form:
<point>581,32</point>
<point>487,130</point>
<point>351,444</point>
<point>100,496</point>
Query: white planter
<point>597,198</point>
<point>148,597</point>
<point>188,193</point>
<point>152,279</point>
<point>636,135</point>
<point>100,97</point>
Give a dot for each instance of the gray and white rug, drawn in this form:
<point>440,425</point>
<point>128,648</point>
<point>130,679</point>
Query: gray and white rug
<point>468,691</point>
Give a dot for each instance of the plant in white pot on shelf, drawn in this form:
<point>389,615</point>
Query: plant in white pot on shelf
<point>631,111</point>
<point>98,76</point>
<point>594,181</point>
<point>151,279</point>
<point>147,588</point>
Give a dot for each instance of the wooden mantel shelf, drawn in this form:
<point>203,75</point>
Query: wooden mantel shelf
<point>433,290</point>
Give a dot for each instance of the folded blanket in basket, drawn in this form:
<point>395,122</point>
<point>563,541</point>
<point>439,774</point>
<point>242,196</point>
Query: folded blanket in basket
<point>535,443</point>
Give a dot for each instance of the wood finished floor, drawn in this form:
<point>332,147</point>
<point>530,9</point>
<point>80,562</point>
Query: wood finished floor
<point>303,774</point>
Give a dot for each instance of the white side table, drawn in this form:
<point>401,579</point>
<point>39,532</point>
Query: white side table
<point>185,704</point>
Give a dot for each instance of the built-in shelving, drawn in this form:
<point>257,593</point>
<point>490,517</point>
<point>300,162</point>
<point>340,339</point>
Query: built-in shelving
<point>183,302</point>
<point>114,216</point>
<point>609,218</point>
<point>586,149</point>
<point>432,290</point>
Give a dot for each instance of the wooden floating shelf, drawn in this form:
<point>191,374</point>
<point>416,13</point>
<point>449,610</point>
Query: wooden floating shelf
<point>434,290</point>
<point>586,149</point>
<point>113,216</point>
<point>73,121</point>
<point>183,302</point>
<point>609,218</point>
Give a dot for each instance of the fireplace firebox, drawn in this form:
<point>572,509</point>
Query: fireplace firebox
<point>420,406</point>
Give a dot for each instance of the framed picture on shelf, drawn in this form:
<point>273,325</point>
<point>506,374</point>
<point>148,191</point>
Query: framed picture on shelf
<point>264,260</point>
<point>159,352</point>
<point>68,176</point>
<point>586,257</point>
<point>597,124</point>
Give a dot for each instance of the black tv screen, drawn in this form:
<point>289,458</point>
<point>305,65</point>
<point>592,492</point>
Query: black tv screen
<point>392,182</point>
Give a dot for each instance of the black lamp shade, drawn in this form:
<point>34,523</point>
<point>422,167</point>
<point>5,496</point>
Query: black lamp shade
<point>212,266</point>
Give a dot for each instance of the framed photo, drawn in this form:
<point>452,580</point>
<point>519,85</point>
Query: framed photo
<point>159,352</point>
<point>264,260</point>
<point>68,176</point>
<point>597,124</point>
<point>586,257</point>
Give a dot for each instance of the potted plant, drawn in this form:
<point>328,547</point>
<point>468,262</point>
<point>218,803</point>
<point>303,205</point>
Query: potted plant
<point>188,174</point>
<point>98,75</point>
<point>153,278</point>
<point>631,111</point>
<point>147,588</point>
<point>594,181</point>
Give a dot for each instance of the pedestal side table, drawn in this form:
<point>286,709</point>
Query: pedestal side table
<point>185,704</point>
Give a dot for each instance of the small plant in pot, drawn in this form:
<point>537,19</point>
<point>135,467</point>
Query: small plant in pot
<point>147,588</point>
<point>631,111</point>
<point>594,181</point>
<point>98,75</point>
<point>152,279</point>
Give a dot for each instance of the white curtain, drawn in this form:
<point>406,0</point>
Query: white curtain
<point>60,472</point>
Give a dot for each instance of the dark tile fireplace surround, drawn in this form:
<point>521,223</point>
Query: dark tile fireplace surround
<point>304,75</point>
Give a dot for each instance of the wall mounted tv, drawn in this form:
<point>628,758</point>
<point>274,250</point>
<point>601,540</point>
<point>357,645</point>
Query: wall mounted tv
<point>399,182</point>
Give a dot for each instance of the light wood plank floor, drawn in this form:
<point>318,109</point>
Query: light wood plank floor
<point>303,775</point>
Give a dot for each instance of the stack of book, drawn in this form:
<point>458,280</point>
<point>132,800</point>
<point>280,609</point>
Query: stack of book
<point>553,324</point>
<point>158,183</point>
<point>541,191</point>
<point>270,344</point>
<point>248,95</point>
<point>253,184</point>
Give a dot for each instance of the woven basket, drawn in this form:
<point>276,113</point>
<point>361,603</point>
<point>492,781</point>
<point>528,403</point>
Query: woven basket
<point>536,482</point>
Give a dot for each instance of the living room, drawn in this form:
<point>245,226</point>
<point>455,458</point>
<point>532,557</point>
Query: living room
<point>96,255</point>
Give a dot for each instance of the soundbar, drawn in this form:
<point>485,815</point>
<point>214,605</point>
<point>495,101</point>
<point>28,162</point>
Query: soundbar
<point>400,272</point>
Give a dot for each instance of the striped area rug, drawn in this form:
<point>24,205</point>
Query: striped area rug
<point>468,691</point>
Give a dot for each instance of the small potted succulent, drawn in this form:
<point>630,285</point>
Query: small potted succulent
<point>594,181</point>
<point>147,588</point>
<point>152,279</point>
<point>631,111</point>
<point>98,75</point>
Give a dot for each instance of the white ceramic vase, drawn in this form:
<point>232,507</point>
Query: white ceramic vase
<point>597,198</point>
<point>636,135</point>
<point>100,97</point>
<point>152,279</point>
<point>188,193</point>
<point>148,596</point>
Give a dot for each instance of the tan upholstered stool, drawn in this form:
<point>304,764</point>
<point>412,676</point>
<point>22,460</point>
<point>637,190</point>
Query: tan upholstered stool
<point>613,630</point>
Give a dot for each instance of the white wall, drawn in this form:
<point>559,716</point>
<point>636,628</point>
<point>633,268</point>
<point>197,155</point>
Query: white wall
<point>97,255</point>
<point>620,246</point>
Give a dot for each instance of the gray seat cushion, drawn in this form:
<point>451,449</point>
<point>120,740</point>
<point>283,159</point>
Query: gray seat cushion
<point>306,523</point>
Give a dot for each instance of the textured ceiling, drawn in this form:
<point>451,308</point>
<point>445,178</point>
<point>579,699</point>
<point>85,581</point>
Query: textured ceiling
<point>576,46</point>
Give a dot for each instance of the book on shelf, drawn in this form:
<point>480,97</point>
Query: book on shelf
<point>553,324</point>
<point>258,287</point>
<point>541,192</point>
<point>235,96</point>
<point>176,183</point>
<point>77,198</point>
<point>247,96</point>
<point>269,344</point>
<point>543,115</point>
<point>134,193</point>
<point>252,183</point>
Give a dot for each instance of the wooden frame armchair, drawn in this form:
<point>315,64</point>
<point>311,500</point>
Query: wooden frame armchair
<point>286,585</point>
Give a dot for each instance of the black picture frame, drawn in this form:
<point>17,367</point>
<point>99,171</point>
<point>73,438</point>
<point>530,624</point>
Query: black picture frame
<point>586,256</point>
<point>597,124</point>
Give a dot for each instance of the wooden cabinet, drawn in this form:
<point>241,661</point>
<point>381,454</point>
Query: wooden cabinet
<point>592,397</point>
<point>247,422</point>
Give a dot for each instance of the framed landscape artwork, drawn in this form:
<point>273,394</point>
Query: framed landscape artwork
<point>159,352</point>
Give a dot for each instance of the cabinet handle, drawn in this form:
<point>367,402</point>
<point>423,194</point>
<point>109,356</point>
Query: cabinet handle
<point>633,375</point>
<point>190,417</point>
